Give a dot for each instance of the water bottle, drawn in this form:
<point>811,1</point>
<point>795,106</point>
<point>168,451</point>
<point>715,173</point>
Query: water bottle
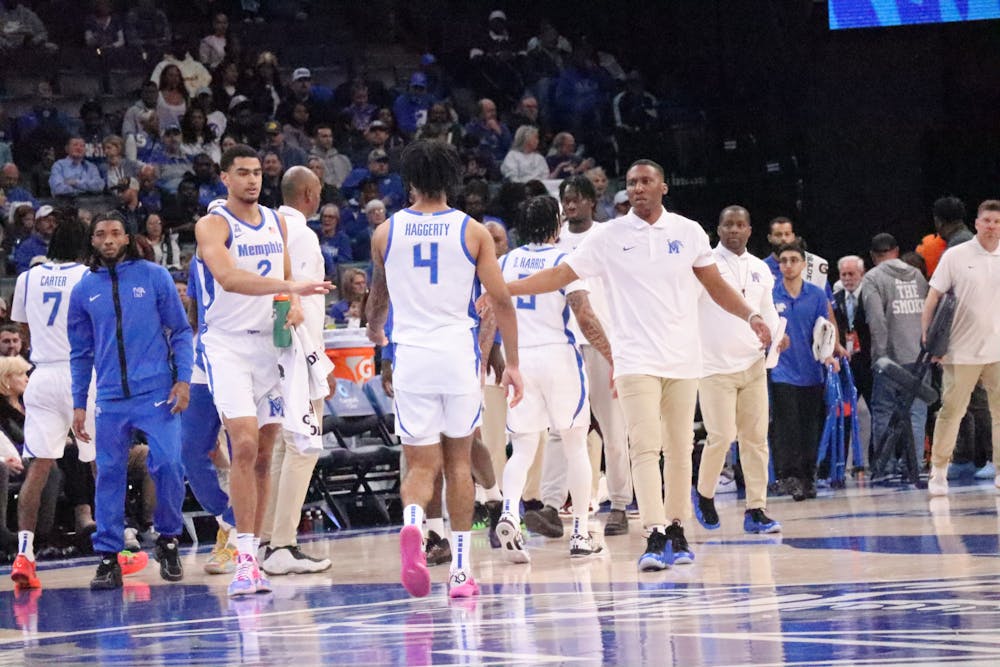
<point>282,336</point>
<point>319,521</point>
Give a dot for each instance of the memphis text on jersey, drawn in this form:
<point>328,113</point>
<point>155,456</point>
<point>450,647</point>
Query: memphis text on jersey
<point>256,249</point>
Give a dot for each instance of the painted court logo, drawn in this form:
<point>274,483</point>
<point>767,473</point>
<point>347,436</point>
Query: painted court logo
<point>674,247</point>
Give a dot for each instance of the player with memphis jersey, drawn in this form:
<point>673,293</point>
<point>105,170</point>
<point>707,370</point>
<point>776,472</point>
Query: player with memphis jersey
<point>555,383</point>
<point>41,300</point>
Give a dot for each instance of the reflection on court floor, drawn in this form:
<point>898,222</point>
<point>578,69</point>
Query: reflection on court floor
<point>858,578</point>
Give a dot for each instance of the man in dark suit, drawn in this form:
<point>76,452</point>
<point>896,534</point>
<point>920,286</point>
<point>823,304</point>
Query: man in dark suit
<point>852,325</point>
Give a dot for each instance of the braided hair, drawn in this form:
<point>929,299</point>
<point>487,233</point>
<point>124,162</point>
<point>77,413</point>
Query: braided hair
<point>538,219</point>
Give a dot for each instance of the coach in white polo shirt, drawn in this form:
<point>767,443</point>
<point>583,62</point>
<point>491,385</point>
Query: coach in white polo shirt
<point>733,388</point>
<point>291,469</point>
<point>653,263</point>
<point>972,271</point>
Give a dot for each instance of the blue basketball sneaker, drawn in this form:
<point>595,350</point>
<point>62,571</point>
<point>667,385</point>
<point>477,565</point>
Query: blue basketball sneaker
<point>755,521</point>
<point>679,545</point>
<point>659,555</point>
<point>704,510</point>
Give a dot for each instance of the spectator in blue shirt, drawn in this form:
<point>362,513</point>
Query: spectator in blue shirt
<point>126,323</point>
<point>10,183</point>
<point>73,175</point>
<point>390,185</point>
<point>411,107</point>
<point>333,242</point>
<point>210,186</point>
<point>797,382</point>
<point>38,243</point>
<point>491,133</point>
<point>353,289</point>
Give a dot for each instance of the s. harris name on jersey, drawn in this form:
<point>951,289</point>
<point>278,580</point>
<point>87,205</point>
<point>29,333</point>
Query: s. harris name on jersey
<point>426,228</point>
<point>256,249</point>
<point>532,263</point>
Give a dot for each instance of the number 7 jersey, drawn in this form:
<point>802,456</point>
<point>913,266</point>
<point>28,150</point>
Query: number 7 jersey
<point>41,299</point>
<point>432,280</point>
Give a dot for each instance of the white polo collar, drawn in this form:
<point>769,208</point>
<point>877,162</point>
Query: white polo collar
<point>639,223</point>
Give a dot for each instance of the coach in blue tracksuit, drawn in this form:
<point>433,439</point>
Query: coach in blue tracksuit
<point>126,320</point>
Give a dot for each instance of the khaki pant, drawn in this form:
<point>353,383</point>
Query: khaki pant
<point>291,471</point>
<point>494,427</point>
<point>659,417</point>
<point>958,382</point>
<point>734,407</point>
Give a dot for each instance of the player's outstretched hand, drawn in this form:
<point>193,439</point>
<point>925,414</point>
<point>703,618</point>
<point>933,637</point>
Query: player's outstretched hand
<point>309,287</point>
<point>484,305</point>
<point>180,396</point>
<point>512,380</point>
<point>79,428</point>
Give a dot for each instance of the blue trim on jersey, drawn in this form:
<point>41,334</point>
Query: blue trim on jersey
<point>583,386</point>
<point>465,248</point>
<point>542,247</point>
<point>208,372</point>
<point>503,262</point>
<point>562,290</point>
<point>478,412</point>
<point>388,244</point>
<point>477,289</point>
<point>281,226</point>
<point>30,453</point>
<point>263,220</point>
<point>207,288</point>
<point>412,212</point>
<point>395,406</point>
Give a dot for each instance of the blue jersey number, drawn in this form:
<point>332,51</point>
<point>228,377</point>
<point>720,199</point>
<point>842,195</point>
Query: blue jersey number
<point>525,303</point>
<point>264,266</point>
<point>52,296</point>
<point>429,263</point>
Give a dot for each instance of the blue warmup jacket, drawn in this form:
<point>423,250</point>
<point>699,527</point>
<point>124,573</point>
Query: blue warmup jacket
<point>128,323</point>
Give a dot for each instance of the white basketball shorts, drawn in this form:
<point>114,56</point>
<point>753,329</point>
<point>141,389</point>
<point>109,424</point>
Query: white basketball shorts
<point>243,376</point>
<point>555,390</point>
<point>48,413</point>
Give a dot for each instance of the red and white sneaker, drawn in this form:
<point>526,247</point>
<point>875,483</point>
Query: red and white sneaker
<point>462,585</point>
<point>413,562</point>
<point>22,572</point>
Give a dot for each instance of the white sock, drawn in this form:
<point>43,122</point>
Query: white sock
<point>244,544</point>
<point>437,525</point>
<point>26,544</point>
<point>493,493</point>
<point>413,515</point>
<point>480,494</point>
<point>256,545</point>
<point>515,473</point>
<point>461,556</point>
<point>578,474</point>
<point>512,507</point>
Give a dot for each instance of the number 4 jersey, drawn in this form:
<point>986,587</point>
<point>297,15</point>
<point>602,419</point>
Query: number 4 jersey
<point>258,249</point>
<point>432,283</point>
<point>41,299</point>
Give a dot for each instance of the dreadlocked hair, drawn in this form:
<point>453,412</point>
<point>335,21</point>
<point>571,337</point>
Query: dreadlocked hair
<point>537,219</point>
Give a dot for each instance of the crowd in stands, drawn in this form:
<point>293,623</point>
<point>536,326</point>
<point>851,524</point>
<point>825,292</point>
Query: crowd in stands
<point>544,108</point>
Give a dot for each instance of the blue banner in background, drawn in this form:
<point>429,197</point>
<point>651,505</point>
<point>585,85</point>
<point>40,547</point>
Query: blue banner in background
<point>878,13</point>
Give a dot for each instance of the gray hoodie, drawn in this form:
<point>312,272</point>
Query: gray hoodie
<point>893,294</point>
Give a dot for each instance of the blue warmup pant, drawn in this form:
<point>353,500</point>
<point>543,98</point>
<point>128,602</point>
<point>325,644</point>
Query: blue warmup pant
<point>116,421</point>
<point>200,426</point>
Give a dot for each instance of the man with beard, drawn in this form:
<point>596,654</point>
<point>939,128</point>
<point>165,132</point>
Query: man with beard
<point>126,321</point>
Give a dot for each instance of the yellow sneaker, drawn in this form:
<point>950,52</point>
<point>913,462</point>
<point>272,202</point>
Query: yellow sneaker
<point>223,557</point>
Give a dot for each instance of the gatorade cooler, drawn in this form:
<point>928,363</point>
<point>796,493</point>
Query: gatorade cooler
<point>352,354</point>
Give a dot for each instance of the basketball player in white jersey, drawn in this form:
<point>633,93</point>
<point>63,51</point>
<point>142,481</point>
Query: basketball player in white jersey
<point>41,300</point>
<point>578,200</point>
<point>427,259</point>
<point>556,396</point>
<point>242,262</point>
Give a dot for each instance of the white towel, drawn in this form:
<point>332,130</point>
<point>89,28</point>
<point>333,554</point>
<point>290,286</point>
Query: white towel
<point>305,368</point>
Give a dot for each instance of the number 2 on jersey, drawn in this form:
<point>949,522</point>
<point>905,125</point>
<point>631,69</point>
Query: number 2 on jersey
<point>52,296</point>
<point>264,266</point>
<point>430,262</point>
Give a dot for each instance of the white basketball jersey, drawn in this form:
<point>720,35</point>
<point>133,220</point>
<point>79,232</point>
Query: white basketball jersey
<point>41,299</point>
<point>258,250</point>
<point>432,280</point>
<point>542,319</point>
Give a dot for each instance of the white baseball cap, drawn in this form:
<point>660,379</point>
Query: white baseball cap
<point>621,197</point>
